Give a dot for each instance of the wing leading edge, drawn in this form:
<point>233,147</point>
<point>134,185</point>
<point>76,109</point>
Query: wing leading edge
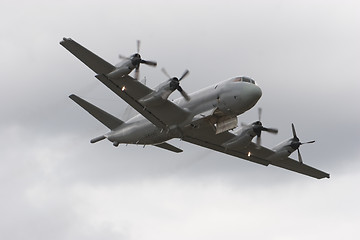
<point>94,62</point>
<point>253,153</point>
<point>130,90</point>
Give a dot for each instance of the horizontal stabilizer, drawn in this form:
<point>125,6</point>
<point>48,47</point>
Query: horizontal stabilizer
<point>96,63</point>
<point>97,139</point>
<point>169,147</point>
<point>105,118</point>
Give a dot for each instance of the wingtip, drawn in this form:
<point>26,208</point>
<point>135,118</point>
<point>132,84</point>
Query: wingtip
<point>65,40</point>
<point>326,175</point>
<point>72,96</point>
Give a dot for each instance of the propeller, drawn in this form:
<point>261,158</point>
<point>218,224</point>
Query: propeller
<point>136,60</point>
<point>258,128</point>
<point>295,143</point>
<point>175,83</point>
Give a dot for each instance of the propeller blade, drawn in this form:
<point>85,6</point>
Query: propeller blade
<point>271,130</point>
<point>293,130</point>
<point>259,113</point>
<point>258,140</point>
<point>123,57</point>
<point>299,156</point>
<point>165,72</point>
<point>308,142</point>
<point>179,89</point>
<point>138,46</point>
<point>137,72</point>
<point>184,75</point>
<point>258,128</point>
<point>150,63</point>
<point>183,93</point>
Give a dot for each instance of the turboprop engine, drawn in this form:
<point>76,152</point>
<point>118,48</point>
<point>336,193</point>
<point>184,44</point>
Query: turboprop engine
<point>287,147</point>
<point>163,91</point>
<point>245,135</point>
<point>130,63</point>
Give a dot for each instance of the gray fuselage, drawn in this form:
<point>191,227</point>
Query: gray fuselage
<point>232,97</point>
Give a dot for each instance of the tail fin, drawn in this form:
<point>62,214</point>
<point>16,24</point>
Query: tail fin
<point>105,118</point>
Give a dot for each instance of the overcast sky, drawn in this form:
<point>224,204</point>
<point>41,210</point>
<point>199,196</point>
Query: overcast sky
<point>305,55</point>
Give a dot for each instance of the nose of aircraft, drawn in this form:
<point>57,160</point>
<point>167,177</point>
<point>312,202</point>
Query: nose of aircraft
<point>252,92</point>
<point>249,95</point>
<point>252,95</point>
<point>256,92</point>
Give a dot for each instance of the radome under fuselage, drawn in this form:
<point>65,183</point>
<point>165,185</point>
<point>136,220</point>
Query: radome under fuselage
<point>232,96</point>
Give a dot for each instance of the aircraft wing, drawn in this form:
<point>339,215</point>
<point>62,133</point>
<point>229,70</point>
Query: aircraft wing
<point>206,137</point>
<point>296,166</point>
<point>168,146</point>
<point>163,115</point>
<point>130,90</point>
<point>90,59</point>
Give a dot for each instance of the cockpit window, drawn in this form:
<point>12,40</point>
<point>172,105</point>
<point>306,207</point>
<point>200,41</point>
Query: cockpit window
<point>244,79</point>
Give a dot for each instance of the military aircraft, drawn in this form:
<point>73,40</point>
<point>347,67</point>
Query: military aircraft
<point>204,117</point>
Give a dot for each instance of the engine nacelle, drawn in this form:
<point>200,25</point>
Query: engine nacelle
<point>242,139</point>
<point>121,70</point>
<point>282,150</point>
<point>157,97</point>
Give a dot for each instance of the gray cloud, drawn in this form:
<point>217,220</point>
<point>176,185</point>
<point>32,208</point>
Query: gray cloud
<point>56,185</point>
